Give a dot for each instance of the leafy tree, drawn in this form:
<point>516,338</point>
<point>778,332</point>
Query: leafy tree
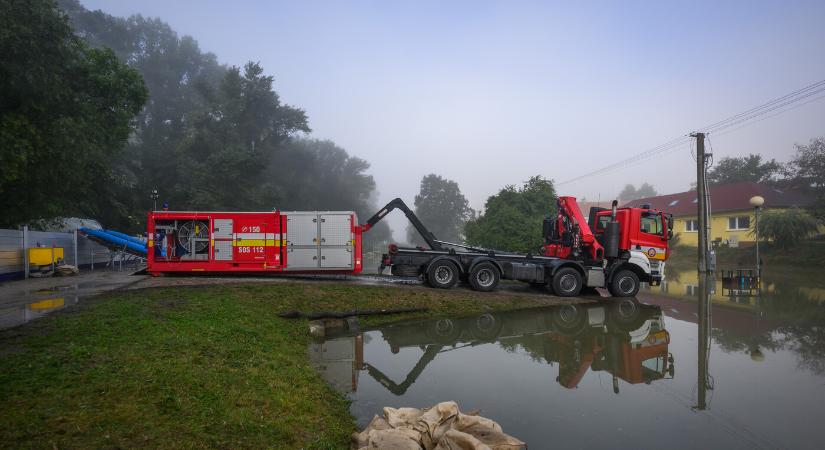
<point>787,228</point>
<point>222,162</point>
<point>512,218</point>
<point>66,111</point>
<point>631,193</point>
<point>217,137</point>
<point>807,171</point>
<point>745,168</point>
<point>177,75</point>
<point>443,208</point>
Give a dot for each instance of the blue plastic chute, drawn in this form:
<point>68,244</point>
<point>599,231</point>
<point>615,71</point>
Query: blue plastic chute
<point>119,241</point>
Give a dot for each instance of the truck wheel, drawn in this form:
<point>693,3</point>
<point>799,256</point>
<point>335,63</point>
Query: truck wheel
<point>624,284</point>
<point>442,274</point>
<point>567,282</point>
<point>484,277</point>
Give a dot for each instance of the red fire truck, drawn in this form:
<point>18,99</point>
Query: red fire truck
<point>618,249</point>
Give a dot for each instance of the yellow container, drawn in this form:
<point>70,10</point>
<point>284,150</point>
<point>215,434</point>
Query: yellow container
<point>45,256</point>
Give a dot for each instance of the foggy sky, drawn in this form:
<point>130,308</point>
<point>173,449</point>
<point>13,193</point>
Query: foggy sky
<point>490,93</point>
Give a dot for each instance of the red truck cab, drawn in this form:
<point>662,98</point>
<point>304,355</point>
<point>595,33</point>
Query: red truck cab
<point>644,230</point>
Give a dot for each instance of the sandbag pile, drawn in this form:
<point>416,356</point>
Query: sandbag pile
<point>442,427</point>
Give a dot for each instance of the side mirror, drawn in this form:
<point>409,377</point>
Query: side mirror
<point>669,234</point>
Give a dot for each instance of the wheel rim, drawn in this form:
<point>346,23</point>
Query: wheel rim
<point>626,309</point>
<point>485,322</point>
<point>443,275</point>
<point>568,283</point>
<point>626,285</point>
<point>568,314</point>
<point>444,327</point>
<point>485,277</point>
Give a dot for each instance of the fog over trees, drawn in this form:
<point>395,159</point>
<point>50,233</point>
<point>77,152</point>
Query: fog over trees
<point>631,193</point>
<point>118,107</point>
<point>442,208</point>
<point>66,109</point>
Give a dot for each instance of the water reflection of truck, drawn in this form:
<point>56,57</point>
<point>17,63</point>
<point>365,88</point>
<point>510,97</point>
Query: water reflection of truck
<point>626,339</point>
<point>635,355</point>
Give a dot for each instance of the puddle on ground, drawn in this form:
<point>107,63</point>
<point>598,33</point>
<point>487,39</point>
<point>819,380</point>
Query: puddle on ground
<point>26,305</point>
<point>614,373</point>
<point>18,314</point>
<point>51,289</point>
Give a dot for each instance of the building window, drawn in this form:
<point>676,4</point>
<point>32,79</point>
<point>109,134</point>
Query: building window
<point>739,223</point>
<point>691,225</point>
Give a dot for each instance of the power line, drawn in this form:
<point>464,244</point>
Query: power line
<point>745,118</point>
<point>776,100</point>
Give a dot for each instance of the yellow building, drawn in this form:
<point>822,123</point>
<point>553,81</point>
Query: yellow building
<point>732,216</point>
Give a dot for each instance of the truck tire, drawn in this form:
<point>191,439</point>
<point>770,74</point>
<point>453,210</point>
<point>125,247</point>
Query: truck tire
<point>442,274</point>
<point>624,284</point>
<point>567,282</point>
<point>484,277</point>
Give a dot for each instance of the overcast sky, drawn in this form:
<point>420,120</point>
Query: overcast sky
<point>490,93</point>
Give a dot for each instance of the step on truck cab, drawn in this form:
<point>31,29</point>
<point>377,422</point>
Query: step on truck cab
<point>617,249</point>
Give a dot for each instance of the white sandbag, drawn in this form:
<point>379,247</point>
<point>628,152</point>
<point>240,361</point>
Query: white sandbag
<point>442,427</point>
<point>457,440</point>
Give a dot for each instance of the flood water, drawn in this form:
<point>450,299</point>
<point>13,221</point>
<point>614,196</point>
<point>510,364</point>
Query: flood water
<point>611,373</point>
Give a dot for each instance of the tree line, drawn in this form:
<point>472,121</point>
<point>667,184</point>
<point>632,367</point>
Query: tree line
<point>97,111</point>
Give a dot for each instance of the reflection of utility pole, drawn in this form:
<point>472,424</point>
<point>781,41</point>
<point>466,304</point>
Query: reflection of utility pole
<point>704,350</point>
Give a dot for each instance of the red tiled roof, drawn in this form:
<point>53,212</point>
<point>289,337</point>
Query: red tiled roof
<point>726,197</point>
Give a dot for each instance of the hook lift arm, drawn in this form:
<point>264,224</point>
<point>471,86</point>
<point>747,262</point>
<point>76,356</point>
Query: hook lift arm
<point>397,203</point>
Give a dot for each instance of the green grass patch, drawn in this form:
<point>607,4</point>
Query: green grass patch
<point>186,367</point>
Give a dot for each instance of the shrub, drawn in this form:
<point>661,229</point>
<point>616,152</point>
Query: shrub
<point>786,228</point>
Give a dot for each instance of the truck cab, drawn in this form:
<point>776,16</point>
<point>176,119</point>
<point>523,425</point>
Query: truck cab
<point>641,230</point>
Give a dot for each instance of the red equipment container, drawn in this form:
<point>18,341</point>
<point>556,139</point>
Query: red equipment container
<point>274,241</point>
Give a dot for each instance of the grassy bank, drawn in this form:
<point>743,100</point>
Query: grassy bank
<point>208,366</point>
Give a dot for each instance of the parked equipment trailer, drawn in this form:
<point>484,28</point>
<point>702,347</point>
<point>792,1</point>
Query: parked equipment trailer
<point>267,242</point>
<point>618,249</point>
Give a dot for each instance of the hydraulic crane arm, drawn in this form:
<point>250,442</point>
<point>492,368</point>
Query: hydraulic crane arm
<point>568,207</point>
<point>397,203</point>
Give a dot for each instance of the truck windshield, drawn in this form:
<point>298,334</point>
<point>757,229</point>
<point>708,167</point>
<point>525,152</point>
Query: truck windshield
<point>652,223</point>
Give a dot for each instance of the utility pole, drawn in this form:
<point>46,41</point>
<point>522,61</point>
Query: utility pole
<point>704,299</point>
<point>702,208</point>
